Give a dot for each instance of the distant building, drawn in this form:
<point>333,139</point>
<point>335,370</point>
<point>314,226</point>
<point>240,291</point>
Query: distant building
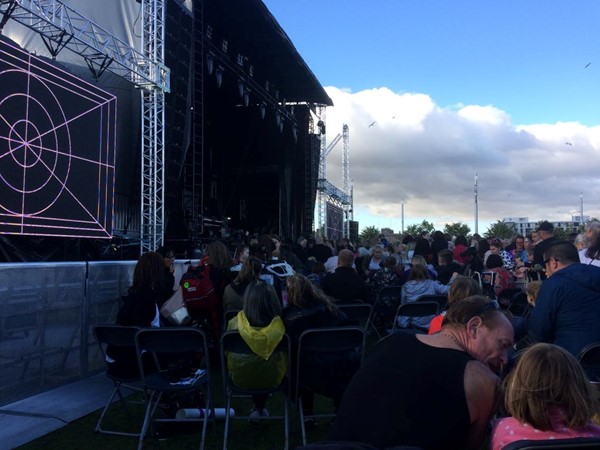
<point>525,227</point>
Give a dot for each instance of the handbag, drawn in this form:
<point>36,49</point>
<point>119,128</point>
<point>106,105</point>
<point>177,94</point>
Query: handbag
<point>174,309</point>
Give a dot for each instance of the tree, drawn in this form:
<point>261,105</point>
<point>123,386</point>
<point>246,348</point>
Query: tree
<point>561,233</point>
<point>369,234</point>
<point>500,230</point>
<point>457,229</point>
<point>415,229</point>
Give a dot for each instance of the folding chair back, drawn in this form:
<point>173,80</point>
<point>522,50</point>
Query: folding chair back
<point>519,305</point>
<point>555,444</point>
<point>357,313</point>
<point>487,284</point>
<point>414,310</point>
<point>121,337</point>
<point>384,309</point>
<point>589,358</point>
<point>391,292</point>
<point>477,277</point>
<point>506,297</point>
<point>441,300</point>
<point>228,315</point>
<point>181,364</point>
<point>329,342</point>
<point>232,341</point>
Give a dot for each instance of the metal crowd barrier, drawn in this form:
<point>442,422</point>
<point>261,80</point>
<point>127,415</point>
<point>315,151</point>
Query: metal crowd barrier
<point>47,311</point>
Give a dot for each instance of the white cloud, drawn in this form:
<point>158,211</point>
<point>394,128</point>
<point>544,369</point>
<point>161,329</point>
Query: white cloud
<point>427,156</point>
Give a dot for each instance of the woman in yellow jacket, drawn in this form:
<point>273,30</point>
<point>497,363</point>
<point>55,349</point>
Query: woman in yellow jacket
<point>260,325</point>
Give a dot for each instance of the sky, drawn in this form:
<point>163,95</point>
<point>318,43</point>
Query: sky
<point>508,90</point>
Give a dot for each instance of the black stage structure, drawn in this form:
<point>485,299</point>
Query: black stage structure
<point>242,138</point>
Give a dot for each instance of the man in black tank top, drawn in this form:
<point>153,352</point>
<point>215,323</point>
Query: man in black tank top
<point>433,392</point>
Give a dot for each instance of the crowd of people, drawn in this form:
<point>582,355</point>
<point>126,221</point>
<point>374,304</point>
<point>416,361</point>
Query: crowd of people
<point>437,386</point>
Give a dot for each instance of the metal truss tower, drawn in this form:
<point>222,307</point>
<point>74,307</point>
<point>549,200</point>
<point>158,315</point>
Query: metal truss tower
<point>326,190</point>
<point>348,206</point>
<point>60,27</point>
<point>153,130</point>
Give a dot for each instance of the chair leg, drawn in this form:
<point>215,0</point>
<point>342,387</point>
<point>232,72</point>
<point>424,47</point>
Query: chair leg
<point>227,407</point>
<point>99,429</point>
<point>150,408</point>
<point>301,412</point>
<point>286,405</point>
<point>99,423</point>
<point>209,413</point>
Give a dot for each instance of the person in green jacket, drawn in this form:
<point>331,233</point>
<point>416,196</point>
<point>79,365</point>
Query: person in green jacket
<point>260,326</point>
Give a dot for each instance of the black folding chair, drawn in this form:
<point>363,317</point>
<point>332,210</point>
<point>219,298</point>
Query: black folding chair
<point>441,300</point>
<point>327,343</point>
<point>555,444</point>
<point>477,277</point>
<point>390,291</point>
<point>172,348</point>
<point>506,297</point>
<point>413,310</point>
<point>589,358</point>
<point>228,315</point>
<point>384,308</point>
<point>357,313</point>
<point>233,342</point>
<point>118,337</point>
<point>487,284</point>
<point>519,305</point>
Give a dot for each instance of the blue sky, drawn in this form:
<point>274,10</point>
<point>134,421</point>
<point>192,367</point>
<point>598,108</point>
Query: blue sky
<point>525,57</point>
<point>494,87</point>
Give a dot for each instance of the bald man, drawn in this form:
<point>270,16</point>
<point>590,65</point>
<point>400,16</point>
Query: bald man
<point>345,283</point>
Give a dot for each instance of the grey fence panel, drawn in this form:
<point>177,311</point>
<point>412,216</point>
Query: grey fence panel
<point>40,321</point>
<point>47,313</point>
<point>107,283</point>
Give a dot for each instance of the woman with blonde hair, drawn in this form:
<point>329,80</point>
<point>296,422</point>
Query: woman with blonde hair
<point>548,396</point>
<point>309,307</point>
<point>326,374</point>
<point>462,287</point>
<point>234,291</point>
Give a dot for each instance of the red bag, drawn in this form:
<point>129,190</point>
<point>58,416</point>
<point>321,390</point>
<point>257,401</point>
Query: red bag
<point>198,289</point>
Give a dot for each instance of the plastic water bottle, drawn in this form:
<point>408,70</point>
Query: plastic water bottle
<point>284,299</point>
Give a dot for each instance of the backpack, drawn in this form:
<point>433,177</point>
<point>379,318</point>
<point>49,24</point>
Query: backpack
<point>197,288</point>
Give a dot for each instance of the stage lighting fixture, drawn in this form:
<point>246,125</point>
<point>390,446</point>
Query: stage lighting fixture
<point>277,118</point>
<point>210,61</point>
<point>263,110</point>
<point>219,76</point>
<point>295,133</point>
<point>241,87</point>
<point>246,97</point>
<point>281,126</point>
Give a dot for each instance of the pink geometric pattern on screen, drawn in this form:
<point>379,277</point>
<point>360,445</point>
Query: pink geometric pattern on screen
<point>57,150</point>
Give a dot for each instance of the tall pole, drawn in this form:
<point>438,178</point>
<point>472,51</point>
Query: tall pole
<point>402,216</point>
<point>581,209</point>
<point>476,208</point>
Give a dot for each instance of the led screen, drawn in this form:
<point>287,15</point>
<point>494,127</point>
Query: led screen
<point>335,221</point>
<point>57,150</point>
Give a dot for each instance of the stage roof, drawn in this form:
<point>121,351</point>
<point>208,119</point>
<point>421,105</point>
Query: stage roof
<point>252,30</point>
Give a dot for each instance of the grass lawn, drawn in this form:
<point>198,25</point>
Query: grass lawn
<point>242,435</point>
<point>267,435</point>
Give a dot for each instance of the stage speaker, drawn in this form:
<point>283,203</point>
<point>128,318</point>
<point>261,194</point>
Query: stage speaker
<point>353,230</point>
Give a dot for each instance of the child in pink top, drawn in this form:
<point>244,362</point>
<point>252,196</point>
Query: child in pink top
<point>548,397</point>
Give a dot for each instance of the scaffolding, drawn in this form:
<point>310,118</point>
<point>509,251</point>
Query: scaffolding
<point>327,192</point>
<point>60,27</point>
